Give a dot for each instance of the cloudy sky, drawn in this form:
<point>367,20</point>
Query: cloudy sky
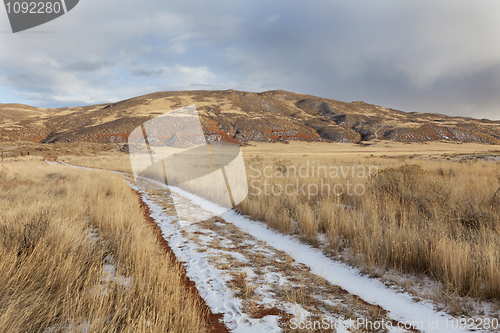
<point>421,55</point>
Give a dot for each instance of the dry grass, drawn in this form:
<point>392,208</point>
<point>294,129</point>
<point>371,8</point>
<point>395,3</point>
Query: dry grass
<point>376,148</point>
<point>115,162</point>
<point>438,218</point>
<point>51,272</point>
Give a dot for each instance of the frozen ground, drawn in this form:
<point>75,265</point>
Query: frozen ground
<point>263,281</point>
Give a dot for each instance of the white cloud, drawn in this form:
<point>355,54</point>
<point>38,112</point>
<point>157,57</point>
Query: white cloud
<point>271,19</point>
<point>183,75</point>
<point>421,55</point>
<point>178,44</point>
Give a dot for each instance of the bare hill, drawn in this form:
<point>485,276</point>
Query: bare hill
<point>242,116</point>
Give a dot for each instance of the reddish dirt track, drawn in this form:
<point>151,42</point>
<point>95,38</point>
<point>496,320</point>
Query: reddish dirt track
<point>213,321</point>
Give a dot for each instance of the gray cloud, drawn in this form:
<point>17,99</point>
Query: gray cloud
<point>87,66</point>
<point>416,56</point>
<point>146,73</point>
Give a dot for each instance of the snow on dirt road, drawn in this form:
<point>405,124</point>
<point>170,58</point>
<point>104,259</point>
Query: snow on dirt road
<point>263,281</point>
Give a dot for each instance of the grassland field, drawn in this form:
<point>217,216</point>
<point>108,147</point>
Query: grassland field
<point>428,210</point>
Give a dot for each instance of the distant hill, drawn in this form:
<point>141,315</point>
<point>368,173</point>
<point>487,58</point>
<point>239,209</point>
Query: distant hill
<point>242,116</point>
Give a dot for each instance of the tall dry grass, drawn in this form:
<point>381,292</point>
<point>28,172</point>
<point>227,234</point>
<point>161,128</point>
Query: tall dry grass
<point>116,162</point>
<point>51,272</point>
<point>437,218</point>
<point>187,175</point>
<point>440,218</point>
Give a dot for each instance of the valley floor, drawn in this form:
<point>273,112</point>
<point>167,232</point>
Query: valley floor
<point>260,280</point>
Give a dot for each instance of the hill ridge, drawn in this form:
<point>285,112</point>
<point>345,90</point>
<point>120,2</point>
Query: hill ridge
<point>269,116</point>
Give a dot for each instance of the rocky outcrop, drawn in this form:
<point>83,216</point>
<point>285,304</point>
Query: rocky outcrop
<point>240,117</point>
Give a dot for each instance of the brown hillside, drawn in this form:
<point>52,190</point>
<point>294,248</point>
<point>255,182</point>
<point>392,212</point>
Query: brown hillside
<point>242,116</point>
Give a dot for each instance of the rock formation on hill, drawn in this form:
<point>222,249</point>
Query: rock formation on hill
<point>242,116</point>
